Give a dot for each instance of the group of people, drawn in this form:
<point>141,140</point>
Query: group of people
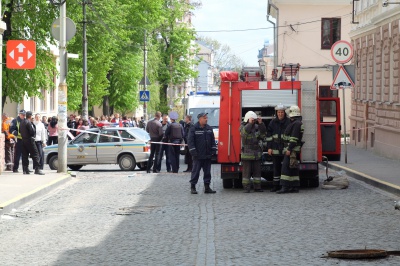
<point>168,137</point>
<point>77,123</point>
<point>283,141</point>
<point>25,136</point>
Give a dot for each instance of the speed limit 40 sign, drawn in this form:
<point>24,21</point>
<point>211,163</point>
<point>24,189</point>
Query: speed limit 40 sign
<point>342,52</point>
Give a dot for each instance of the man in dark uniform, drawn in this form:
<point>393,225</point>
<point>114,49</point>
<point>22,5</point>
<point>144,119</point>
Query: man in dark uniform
<point>14,129</point>
<point>154,128</point>
<point>202,147</point>
<point>174,134</point>
<point>188,156</point>
<point>275,144</point>
<point>28,133</point>
<point>293,135</point>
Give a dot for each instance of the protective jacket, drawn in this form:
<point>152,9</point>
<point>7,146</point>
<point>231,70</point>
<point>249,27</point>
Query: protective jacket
<point>293,135</point>
<point>251,135</point>
<point>14,127</point>
<point>275,131</point>
<point>201,141</point>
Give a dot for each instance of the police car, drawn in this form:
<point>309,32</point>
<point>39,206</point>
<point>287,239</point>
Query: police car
<point>126,146</point>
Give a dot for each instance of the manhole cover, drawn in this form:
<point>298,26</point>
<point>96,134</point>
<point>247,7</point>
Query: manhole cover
<point>135,210</point>
<point>358,254</point>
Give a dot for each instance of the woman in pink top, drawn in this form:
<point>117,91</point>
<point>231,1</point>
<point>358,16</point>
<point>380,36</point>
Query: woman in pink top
<point>53,131</point>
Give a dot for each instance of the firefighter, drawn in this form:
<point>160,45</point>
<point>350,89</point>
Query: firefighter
<point>252,130</point>
<point>292,137</point>
<point>275,146</point>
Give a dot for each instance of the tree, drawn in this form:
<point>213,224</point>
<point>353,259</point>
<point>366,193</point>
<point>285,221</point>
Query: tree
<point>23,22</point>
<point>224,58</point>
<point>177,44</point>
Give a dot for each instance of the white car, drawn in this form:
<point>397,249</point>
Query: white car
<point>126,146</point>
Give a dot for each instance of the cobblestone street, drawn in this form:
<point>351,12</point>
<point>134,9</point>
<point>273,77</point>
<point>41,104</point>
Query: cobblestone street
<point>110,217</point>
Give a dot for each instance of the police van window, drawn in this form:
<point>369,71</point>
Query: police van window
<point>86,138</point>
<point>109,136</point>
<point>327,111</point>
<point>126,136</point>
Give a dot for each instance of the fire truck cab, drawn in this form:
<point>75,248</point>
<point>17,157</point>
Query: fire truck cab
<point>253,94</point>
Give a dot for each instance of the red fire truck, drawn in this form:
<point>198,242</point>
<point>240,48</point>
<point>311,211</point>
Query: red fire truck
<point>320,116</point>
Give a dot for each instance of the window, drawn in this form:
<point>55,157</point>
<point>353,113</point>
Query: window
<point>330,32</point>
<point>52,98</point>
<point>108,136</point>
<point>33,103</point>
<point>327,111</point>
<point>85,138</point>
<point>43,102</point>
<point>126,136</point>
<point>326,92</point>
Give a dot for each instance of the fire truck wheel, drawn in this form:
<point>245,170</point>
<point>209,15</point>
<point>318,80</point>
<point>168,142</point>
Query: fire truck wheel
<point>237,183</point>
<point>314,182</point>
<point>227,183</point>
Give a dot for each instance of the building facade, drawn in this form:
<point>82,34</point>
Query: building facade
<point>306,30</point>
<point>375,114</point>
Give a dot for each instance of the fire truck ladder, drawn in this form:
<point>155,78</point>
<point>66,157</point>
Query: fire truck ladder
<point>290,72</point>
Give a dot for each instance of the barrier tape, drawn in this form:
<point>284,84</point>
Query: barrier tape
<point>95,133</point>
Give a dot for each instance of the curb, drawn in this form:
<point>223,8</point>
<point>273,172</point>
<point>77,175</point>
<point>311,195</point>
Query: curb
<point>31,195</point>
<point>386,186</point>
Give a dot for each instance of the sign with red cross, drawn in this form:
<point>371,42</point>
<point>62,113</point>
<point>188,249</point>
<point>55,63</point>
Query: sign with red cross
<point>21,54</point>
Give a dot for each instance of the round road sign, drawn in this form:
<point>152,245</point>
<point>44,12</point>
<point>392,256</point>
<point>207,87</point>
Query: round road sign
<point>342,52</point>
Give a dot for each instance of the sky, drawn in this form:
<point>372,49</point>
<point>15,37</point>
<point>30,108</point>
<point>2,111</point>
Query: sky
<point>216,15</point>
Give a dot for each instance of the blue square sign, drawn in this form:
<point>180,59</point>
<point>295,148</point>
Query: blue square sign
<point>144,96</point>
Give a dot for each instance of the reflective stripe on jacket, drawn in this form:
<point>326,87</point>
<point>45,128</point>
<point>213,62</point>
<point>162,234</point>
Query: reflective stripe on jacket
<point>251,134</point>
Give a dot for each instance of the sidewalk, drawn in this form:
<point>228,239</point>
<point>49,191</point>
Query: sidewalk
<point>16,188</point>
<point>375,170</point>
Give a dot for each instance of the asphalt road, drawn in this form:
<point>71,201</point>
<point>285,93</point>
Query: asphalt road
<point>109,217</point>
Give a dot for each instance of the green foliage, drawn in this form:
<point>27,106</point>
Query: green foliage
<point>23,23</point>
<point>115,41</point>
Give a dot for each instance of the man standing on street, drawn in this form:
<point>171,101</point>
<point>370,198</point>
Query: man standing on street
<point>40,138</point>
<point>275,144</point>
<point>15,130</point>
<point>28,133</point>
<point>9,143</point>
<point>188,156</point>
<point>293,135</point>
<point>164,148</point>
<point>154,128</point>
<point>252,130</point>
<point>174,134</point>
<point>202,147</point>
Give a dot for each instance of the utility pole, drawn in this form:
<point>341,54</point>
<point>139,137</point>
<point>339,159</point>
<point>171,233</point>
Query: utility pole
<point>144,74</point>
<point>62,93</point>
<point>85,104</point>
<point>3,27</point>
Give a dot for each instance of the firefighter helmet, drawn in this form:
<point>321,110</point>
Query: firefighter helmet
<point>280,107</point>
<point>293,111</point>
<point>249,114</point>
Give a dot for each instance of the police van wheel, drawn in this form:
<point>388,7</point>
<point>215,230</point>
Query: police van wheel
<point>75,167</point>
<point>227,183</point>
<point>53,162</point>
<point>127,162</point>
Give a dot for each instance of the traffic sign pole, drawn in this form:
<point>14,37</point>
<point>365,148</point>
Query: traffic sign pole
<point>342,52</point>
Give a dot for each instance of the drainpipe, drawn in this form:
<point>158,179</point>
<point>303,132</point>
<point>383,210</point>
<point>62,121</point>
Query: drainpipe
<point>276,25</point>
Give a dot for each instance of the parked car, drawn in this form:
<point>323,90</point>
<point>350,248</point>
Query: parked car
<point>126,146</point>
